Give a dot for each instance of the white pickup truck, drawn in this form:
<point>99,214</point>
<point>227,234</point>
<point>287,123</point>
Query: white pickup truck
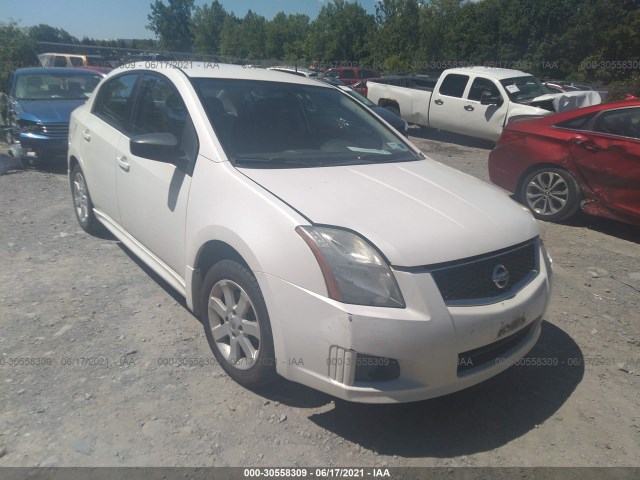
<point>475,101</point>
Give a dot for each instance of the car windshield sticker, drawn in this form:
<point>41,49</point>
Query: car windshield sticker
<point>512,89</point>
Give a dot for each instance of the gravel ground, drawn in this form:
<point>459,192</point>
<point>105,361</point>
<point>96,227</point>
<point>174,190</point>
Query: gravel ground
<point>102,364</point>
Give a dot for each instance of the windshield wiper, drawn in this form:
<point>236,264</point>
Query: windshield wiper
<point>272,160</point>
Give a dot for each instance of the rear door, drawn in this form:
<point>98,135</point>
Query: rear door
<point>101,131</point>
<point>446,110</point>
<point>607,153</point>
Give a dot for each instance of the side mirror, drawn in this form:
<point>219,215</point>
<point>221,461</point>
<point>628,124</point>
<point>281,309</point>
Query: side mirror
<point>162,147</point>
<point>487,99</point>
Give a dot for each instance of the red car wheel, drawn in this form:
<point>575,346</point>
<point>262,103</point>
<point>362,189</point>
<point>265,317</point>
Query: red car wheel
<point>551,194</point>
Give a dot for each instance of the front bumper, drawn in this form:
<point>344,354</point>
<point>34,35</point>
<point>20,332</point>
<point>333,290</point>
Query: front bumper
<point>41,146</point>
<point>321,343</point>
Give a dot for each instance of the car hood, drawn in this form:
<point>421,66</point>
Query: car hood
<point>416,213</point>
<point>563,102</point>
<point>47,110</point>
<point>391,118</point>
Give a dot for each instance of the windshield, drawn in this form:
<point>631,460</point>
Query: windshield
<point>524,89</point>
<point>55,86</point>
<point>282,125</point>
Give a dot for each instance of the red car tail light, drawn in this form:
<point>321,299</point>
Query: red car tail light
<point>509,136</point>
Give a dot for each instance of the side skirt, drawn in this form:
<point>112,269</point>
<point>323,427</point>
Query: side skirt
<point>157,265</point>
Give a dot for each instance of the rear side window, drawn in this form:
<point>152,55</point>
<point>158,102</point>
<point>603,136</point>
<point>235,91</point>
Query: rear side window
<point>76,61</point>
<point>348,74</point>
<point>624,122</point>
<point>453,85</point>
<point>580,123</point>
<point>115,102</point>
<point>60,61</point>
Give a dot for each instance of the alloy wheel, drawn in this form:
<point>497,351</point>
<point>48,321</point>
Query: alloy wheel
<point>234,324</point>
<point>80,197</point>
<point>547,193</point>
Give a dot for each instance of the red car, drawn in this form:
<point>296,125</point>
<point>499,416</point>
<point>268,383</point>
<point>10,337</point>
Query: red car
<point>361,87</point>
<point>587,158</point>
<point>350,75</point>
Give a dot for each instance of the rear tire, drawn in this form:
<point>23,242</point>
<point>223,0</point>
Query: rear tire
<point>237,326</point>
<point>82,204</point>
<point>551,194</point>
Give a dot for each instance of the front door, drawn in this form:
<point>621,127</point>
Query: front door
<point>152,194</point>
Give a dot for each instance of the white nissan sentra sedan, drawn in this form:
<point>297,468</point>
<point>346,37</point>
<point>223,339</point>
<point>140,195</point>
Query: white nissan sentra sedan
<point>314,241</point>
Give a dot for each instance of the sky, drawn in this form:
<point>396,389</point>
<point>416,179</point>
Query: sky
<point>112,19</point>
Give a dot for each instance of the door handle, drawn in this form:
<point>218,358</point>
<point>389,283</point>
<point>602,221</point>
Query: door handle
<point>438,102</point>
<point>122,163</point>
<point>589,146</point>
<point>469,108</point>
<point>86,135</point>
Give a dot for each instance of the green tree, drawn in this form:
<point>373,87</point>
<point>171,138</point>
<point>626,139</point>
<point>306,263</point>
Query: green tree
<point>341,32</point>
<point>286,36</point>
<point>47,33</point>
<point>230,37</point>
<point>443,18</point>
<point>397,39</point>
<point>18,50</point>
<point>602,42</point>
<point>171,23</point>
<point>206,26</point>
<point>253,35</point>
<point>243,38</point>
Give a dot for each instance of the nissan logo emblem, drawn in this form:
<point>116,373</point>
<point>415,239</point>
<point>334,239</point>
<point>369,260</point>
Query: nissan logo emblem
<point>500,276</point>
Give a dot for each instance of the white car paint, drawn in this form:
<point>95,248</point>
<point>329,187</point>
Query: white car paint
<point>419,214</point>
<point>468,116</point>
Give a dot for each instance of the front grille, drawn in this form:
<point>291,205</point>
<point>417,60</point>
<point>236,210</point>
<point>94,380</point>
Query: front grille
<point>492,352</point>
<point>54,129</point>
<point>478,280</point>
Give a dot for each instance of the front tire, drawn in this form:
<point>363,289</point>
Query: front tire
<point>237,326</point>
<point>82,204</point>
<point>551,194</point>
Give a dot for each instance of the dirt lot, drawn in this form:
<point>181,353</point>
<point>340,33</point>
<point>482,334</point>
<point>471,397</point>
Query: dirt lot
<point>102,364</point>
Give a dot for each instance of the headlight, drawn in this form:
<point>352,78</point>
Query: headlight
<point>354,271</point>
<point>26,126</point>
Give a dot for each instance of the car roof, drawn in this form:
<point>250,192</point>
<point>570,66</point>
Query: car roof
<point>222,70</point>
<point>63,70</point>
<point>497,73</point>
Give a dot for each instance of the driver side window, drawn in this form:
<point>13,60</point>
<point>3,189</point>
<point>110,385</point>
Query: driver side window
<point>481,85</point>
<point>160,109</point>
